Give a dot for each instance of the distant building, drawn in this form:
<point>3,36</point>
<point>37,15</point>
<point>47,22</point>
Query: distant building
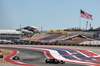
<point>10,34</point>
<point>96,32</point>
<point>28,30</point>
<point>31,28</point>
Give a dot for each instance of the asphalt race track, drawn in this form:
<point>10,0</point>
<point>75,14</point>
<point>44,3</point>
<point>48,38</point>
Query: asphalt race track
<point>51,37</point>
<point>36,57</point>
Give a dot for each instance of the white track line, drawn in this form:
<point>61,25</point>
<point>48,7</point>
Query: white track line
<point>72,54</point>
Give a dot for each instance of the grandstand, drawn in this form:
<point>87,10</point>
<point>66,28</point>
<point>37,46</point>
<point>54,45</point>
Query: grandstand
<point>10,34</point>
<point>63,31</point>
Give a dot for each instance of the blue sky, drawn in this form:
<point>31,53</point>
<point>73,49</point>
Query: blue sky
<point>49,14</point>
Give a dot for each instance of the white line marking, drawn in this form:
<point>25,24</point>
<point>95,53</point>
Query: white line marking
<point>85,55</point>
<point>72,54</point>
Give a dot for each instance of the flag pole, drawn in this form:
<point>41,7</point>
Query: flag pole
<point>79,24</point>
<point>80,21</point>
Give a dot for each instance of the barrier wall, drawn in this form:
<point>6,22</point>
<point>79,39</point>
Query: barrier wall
<point>60,31</point>
<point>87,43</point>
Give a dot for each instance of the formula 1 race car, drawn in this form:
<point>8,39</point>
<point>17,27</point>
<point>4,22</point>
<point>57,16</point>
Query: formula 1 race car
<point>16,58</point>
<point>55,61</point>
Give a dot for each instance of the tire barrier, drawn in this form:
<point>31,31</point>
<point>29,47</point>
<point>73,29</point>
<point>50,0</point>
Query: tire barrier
<point>26,42</point>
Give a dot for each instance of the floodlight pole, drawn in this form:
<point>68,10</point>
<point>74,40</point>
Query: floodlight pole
<point>41,29</point>
<point>20,29</point>
<point>86,25</point>
<point>20,26</point>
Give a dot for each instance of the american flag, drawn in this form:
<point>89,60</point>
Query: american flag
<point>85,15</point>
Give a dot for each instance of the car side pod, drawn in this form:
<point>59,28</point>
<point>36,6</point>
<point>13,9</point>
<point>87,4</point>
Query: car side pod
<point>54,61</point>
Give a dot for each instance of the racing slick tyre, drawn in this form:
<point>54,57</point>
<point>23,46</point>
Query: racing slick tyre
<point>47,61</point>
<point>62,62</point>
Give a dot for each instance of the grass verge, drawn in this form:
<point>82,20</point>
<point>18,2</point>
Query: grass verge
<point>5,53</point>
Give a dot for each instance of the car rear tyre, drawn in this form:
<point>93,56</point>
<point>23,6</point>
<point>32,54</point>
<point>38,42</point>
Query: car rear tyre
<point>62,62</point>
<point>47,61</point>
